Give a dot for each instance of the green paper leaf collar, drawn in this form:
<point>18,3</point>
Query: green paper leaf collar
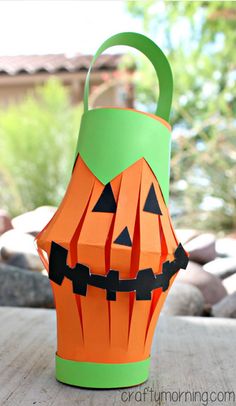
<point>112,139</point>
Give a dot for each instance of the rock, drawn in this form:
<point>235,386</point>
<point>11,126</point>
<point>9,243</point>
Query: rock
<point>19,287</point>
<point>202,248</point>
<point>226,307</point>
<point>183,300</point>
<point>16,242</point>
<point>221,267</point>
<point>226,247</point>
<point>28,261</point>
<point>34,221</point>
<point>210,285</point>
<point>184,234</point>
<point>230,284</point>
<point>5,222</point>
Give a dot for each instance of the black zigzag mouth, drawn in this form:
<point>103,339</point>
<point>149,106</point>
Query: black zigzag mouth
<point>143,285</point>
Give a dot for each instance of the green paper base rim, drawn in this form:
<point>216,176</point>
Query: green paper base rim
<point>101,375</point>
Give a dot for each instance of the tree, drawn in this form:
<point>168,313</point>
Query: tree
<point>199,39</point>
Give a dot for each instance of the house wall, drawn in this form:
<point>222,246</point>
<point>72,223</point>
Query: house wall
<point>103,93</point>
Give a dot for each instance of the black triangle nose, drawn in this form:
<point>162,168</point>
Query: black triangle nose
<point>124,238</point>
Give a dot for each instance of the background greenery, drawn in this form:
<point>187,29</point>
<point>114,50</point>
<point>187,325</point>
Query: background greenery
<point>38,137</point>
<point>37,142</point>
<point>199,39</point>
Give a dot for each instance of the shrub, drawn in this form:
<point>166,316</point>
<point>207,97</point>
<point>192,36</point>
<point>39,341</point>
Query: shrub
<point>37,143</point>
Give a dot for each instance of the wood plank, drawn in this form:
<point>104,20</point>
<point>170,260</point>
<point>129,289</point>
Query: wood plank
<point>189,354</point>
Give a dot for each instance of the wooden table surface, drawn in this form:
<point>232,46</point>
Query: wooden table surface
<point>189,354</point>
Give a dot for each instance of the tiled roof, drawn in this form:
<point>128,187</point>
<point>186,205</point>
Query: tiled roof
<point>31,64</point>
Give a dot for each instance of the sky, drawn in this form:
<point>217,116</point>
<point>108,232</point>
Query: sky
<point>52,26</point>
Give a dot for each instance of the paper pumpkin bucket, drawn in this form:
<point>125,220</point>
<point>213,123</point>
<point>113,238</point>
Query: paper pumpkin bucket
<point>110,249</point>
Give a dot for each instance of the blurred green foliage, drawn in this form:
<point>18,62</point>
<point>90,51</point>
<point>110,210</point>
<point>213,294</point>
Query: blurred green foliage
<point>37,143</point>
<point>199,39</point>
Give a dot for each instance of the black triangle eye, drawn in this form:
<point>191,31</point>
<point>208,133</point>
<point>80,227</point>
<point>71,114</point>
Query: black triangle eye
<point>124,238</point>
<point>151,204</point>
<point>106,202</point>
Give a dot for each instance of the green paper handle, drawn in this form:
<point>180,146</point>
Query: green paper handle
<point>156,57</point>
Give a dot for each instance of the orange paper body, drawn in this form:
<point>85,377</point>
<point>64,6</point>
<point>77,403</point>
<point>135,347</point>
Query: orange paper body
<point>91,328</point>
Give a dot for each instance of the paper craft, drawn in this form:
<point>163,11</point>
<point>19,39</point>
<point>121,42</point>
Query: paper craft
<point>110,249</point>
